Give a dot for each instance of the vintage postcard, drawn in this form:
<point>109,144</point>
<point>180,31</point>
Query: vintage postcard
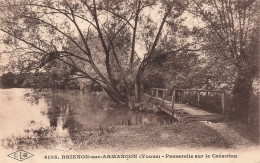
<point>129,81</point>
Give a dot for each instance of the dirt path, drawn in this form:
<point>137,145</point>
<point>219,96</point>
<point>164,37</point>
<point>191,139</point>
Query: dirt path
<point>230,135</point>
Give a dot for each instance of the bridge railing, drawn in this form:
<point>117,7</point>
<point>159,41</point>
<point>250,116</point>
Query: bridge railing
<point>159,92</point>
<point>200,97</point>
<point>163,94</point>
<point>178,95</point>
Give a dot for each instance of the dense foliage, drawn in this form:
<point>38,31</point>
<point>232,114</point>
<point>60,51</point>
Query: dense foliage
<point>120,47</point>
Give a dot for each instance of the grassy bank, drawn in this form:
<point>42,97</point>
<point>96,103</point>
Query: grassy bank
<point>180,135</point>
<point>194,135</point>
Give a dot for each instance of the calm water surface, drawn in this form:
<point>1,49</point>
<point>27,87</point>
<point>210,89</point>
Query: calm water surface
<point>64,111</point>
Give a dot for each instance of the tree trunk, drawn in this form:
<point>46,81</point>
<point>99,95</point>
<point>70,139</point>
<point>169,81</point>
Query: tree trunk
<point>241,96</point>
<point>137,90</point>
<point>130,105</point>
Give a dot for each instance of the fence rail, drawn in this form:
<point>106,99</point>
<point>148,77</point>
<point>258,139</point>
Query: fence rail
<point>163,93</point>
<point>157,90</point>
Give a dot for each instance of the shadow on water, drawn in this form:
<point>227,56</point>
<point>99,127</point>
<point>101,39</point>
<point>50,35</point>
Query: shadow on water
<point>90,118</point>
<point>90,112</point>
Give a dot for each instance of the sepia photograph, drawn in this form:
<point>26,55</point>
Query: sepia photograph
<point>129,81</point>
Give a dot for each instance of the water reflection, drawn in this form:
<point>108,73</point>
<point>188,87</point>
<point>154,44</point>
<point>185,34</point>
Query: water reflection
<point>17,114</point>
<point>68,113</point>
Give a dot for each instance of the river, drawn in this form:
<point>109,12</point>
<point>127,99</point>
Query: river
<point>64,112</point>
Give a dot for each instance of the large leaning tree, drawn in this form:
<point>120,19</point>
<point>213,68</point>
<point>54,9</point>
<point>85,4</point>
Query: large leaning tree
<point>110,42</point>
<point>232,35</point>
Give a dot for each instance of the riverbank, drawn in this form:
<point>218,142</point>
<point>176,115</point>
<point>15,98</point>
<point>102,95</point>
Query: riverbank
<point>128,138</point>
<point>179,135</point>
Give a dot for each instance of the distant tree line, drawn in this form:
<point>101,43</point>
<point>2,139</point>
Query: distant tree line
<point>11,80</point>
<point>44,80</point>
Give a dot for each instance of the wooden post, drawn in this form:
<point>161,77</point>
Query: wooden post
<point>173,98</point>
<point>152,91</point>
<point>223,103</point>
<point>183,96</point>
<point>198,94</point>
<point>163,97</point>
<point>156,93</point>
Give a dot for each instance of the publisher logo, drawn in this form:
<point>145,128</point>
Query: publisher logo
<point>20,155</point>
